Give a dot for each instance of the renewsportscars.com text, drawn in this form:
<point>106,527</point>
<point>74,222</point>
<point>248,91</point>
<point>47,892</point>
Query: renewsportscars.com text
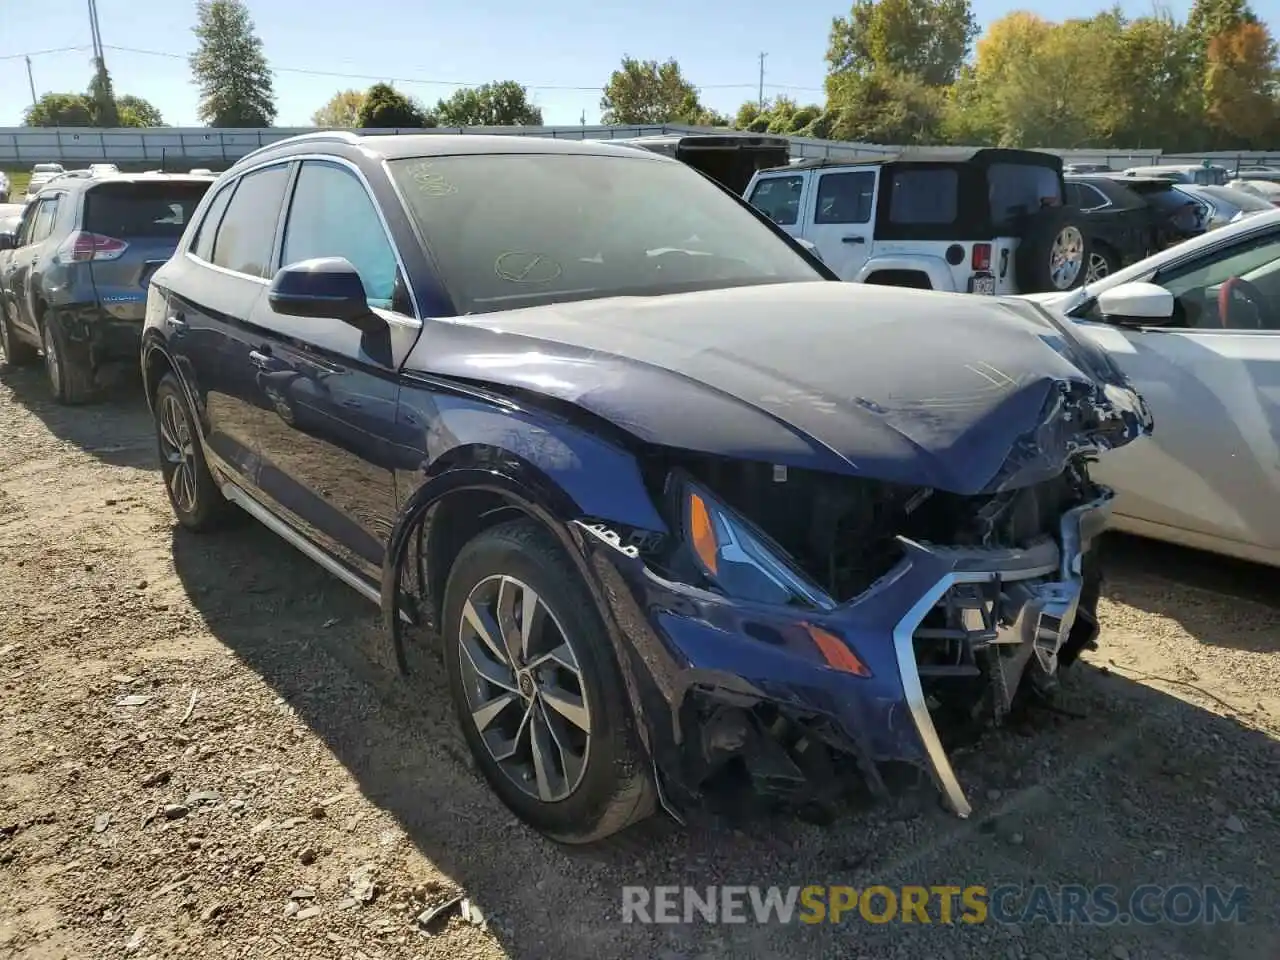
<point>1103,905</point>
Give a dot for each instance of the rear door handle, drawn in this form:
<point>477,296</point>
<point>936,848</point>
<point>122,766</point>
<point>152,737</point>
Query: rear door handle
<point>853,239</point>
<point>177,323</point>
<point>262,358</point>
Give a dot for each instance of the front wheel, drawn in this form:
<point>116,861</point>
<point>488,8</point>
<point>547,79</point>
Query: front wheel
<point>1102,263</point>
<point>17,353</point>
<point>197,502</point>
<point>537,689</point>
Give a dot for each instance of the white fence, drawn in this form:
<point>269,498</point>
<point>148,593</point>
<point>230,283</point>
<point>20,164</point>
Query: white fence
<point>181,147</point>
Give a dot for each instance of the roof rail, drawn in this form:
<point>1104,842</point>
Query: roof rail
<point>340,136</point>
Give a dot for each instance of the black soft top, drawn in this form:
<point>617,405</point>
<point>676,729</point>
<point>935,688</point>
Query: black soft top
<point>984,156</point>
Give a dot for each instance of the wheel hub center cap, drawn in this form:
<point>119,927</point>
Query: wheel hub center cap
<point>526,684</point>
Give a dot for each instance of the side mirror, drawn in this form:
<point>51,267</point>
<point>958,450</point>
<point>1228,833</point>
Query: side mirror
<point>1137,304</point>
<point>326,288</point>
<point>8,241</point>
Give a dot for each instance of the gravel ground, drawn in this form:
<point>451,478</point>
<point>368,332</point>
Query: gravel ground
<point>204,754</point>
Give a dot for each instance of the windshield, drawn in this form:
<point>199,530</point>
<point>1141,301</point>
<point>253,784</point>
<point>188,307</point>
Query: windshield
<point>516,230</point>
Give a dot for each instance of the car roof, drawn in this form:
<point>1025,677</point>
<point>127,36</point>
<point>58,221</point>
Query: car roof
<point>1118,179</point>
<point>85,182</point>
<point>404,146</point>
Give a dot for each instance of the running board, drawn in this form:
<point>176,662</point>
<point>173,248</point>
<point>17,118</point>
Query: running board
<point>291,536</point>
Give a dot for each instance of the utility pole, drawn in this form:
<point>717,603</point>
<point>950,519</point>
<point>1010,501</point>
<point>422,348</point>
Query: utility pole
<point>760,93</point>
<point>31,80</point>
<point>95,34</point>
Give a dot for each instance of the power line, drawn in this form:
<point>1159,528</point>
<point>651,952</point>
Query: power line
<point>343,75</point>
<point>41,53</point>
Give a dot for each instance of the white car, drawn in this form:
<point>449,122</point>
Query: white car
<point>1197,330</point>
<point>4,187</point>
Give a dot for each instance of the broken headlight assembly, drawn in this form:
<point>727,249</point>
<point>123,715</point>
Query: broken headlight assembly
<point>735,556</point>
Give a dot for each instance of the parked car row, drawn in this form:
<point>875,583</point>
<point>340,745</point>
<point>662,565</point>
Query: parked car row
<point>688,513</point>
<point>978,221</point>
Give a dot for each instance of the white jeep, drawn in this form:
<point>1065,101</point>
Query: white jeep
<point>982,221</point>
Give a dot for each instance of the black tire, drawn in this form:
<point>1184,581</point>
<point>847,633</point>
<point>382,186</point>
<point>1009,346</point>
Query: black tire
<point>17,353</point>
<point>70,379</point>
<point>1033,263</point>
<point>206,508</point>
<point>614,789</point>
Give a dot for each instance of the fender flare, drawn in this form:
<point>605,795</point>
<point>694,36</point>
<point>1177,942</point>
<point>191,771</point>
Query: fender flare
<point>527,490</point>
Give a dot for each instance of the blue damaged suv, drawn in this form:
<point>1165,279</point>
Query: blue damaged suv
<point>686,513</point>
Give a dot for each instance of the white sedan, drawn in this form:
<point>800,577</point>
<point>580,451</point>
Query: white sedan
<point>1197,330</point>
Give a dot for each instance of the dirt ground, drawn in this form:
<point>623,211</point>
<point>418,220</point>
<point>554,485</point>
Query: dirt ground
<point>202,754</point>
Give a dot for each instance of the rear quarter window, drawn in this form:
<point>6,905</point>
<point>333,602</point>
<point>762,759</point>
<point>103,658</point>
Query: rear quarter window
<point>132,209</point>
<point>925,196</point>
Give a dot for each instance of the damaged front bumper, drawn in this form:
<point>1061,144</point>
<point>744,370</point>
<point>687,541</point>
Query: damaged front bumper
<point>719,685</point>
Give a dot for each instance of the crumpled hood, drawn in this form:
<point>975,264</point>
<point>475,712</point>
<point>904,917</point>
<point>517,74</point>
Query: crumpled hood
<point>950,391</point>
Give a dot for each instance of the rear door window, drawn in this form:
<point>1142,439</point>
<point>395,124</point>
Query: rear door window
<point>778,198</point>
<point>845,197</point>
<point>246,236</point>
<point>924,196</point>
<point>130,209</point>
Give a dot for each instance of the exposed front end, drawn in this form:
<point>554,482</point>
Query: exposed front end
<point>925,623</point>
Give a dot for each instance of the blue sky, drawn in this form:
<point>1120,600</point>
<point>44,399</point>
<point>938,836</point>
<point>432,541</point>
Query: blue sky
<point>563,50</point>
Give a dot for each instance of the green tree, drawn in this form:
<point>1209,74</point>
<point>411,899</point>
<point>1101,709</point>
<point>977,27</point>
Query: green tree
<point>385,107</point>
<point>102,96</point>
<point>136,112</point>
<point>1211,18</point>
<point>59,110</point>
<point>342,111</point>
<point>646,91</point>
<point>1152,86</point>
<point>501,104</point>
<point>881,107</point>
<point>230,68</point>
<point>929,39</point>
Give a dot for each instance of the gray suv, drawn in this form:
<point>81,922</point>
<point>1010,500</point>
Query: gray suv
<point>74,274</point>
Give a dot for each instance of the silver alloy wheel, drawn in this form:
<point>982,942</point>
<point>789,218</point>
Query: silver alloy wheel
<point>524,688</point>
<point>1066,258</point>
<point>1098,268</point>
<point>51,359</point>
<point>178,450</point>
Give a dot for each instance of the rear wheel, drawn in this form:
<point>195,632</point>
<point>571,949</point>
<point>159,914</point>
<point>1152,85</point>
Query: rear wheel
<point>17,353</point>
<point>537,689</point>
<point>197,502</point>
<point>1054,252</point>
<point>70,378</point>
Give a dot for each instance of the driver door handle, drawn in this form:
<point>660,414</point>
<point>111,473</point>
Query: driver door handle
<point>853,239</point>
<point>177,323</point>
<point>261,358</point>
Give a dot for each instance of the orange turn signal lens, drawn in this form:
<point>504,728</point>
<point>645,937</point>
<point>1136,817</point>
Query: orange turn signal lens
<point>703,533</point>
<point>836,652</point>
